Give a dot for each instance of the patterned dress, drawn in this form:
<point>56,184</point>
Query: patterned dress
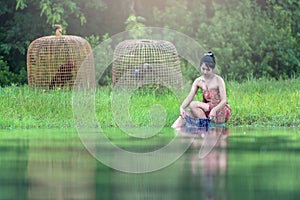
<point>212,98</point>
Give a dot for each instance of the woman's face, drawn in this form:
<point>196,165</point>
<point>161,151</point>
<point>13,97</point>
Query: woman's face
<point>206,71</point>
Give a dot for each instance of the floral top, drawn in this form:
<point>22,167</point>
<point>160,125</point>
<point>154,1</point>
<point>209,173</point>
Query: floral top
<point>212,98</point>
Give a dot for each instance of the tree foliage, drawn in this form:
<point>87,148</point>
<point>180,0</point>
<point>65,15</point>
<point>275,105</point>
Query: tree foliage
<point>7,77</point>
<point>247,40</point>
<point>22,21</point>
<point>250,38</point>
<point>59,11</point>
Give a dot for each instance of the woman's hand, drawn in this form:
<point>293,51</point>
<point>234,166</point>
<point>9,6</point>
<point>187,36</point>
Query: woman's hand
<point>212,114</point>
<point>182,112</point>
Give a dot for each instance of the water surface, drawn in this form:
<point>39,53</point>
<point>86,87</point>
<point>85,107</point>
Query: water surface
<point>244,164</point>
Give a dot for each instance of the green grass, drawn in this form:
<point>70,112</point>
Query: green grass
<point>253,103</point>
<point>265,103</point>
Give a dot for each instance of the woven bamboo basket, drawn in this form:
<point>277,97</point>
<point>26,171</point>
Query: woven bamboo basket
<point>146,62</point>
<point>53,61</point>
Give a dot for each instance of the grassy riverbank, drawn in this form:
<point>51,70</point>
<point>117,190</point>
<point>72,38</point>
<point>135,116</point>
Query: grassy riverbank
<point>253,103</point>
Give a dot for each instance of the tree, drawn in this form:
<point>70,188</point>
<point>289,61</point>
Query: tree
<point>22,21</point>
<point>247,40</point>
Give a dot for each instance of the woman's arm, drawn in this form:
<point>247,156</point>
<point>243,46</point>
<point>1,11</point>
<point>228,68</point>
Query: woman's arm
<point>190,97</point>
<point>222,92</point>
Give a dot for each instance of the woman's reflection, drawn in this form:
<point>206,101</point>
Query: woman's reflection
<point>201,172</point>
<point>208,160</point>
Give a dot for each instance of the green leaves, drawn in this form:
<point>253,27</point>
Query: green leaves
<point>248,39</point>
<point>135,26</point>
<point>21,4</point>
<point>7,77</point>
<point>56,11</point>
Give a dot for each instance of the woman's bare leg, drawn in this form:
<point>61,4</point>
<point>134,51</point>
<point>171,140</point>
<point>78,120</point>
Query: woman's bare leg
<point>198,109</point>
<point>178,123</point>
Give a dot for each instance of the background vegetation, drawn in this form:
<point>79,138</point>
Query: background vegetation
<point>256,45</point>
<point>261,102</point>
<point>250,38</point>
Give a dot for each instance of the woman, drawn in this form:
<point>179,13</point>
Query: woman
<point>214,106</point>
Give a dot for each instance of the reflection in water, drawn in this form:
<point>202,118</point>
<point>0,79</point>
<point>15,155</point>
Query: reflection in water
<point>208,160</point>
<point>58,169</point>
<point>154,185</point>
<point>250,164</point>
<point>190,177</point>
<point>13,164</point>
<point>214,166</point>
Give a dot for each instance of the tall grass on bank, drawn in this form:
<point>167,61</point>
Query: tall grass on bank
<point>253,103</point>
<point>265,103</point>
<point>26,108</point>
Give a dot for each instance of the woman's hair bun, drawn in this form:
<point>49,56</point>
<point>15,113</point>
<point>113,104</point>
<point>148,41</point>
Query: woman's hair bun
<point>208,59</point>
<point>209,53</point>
